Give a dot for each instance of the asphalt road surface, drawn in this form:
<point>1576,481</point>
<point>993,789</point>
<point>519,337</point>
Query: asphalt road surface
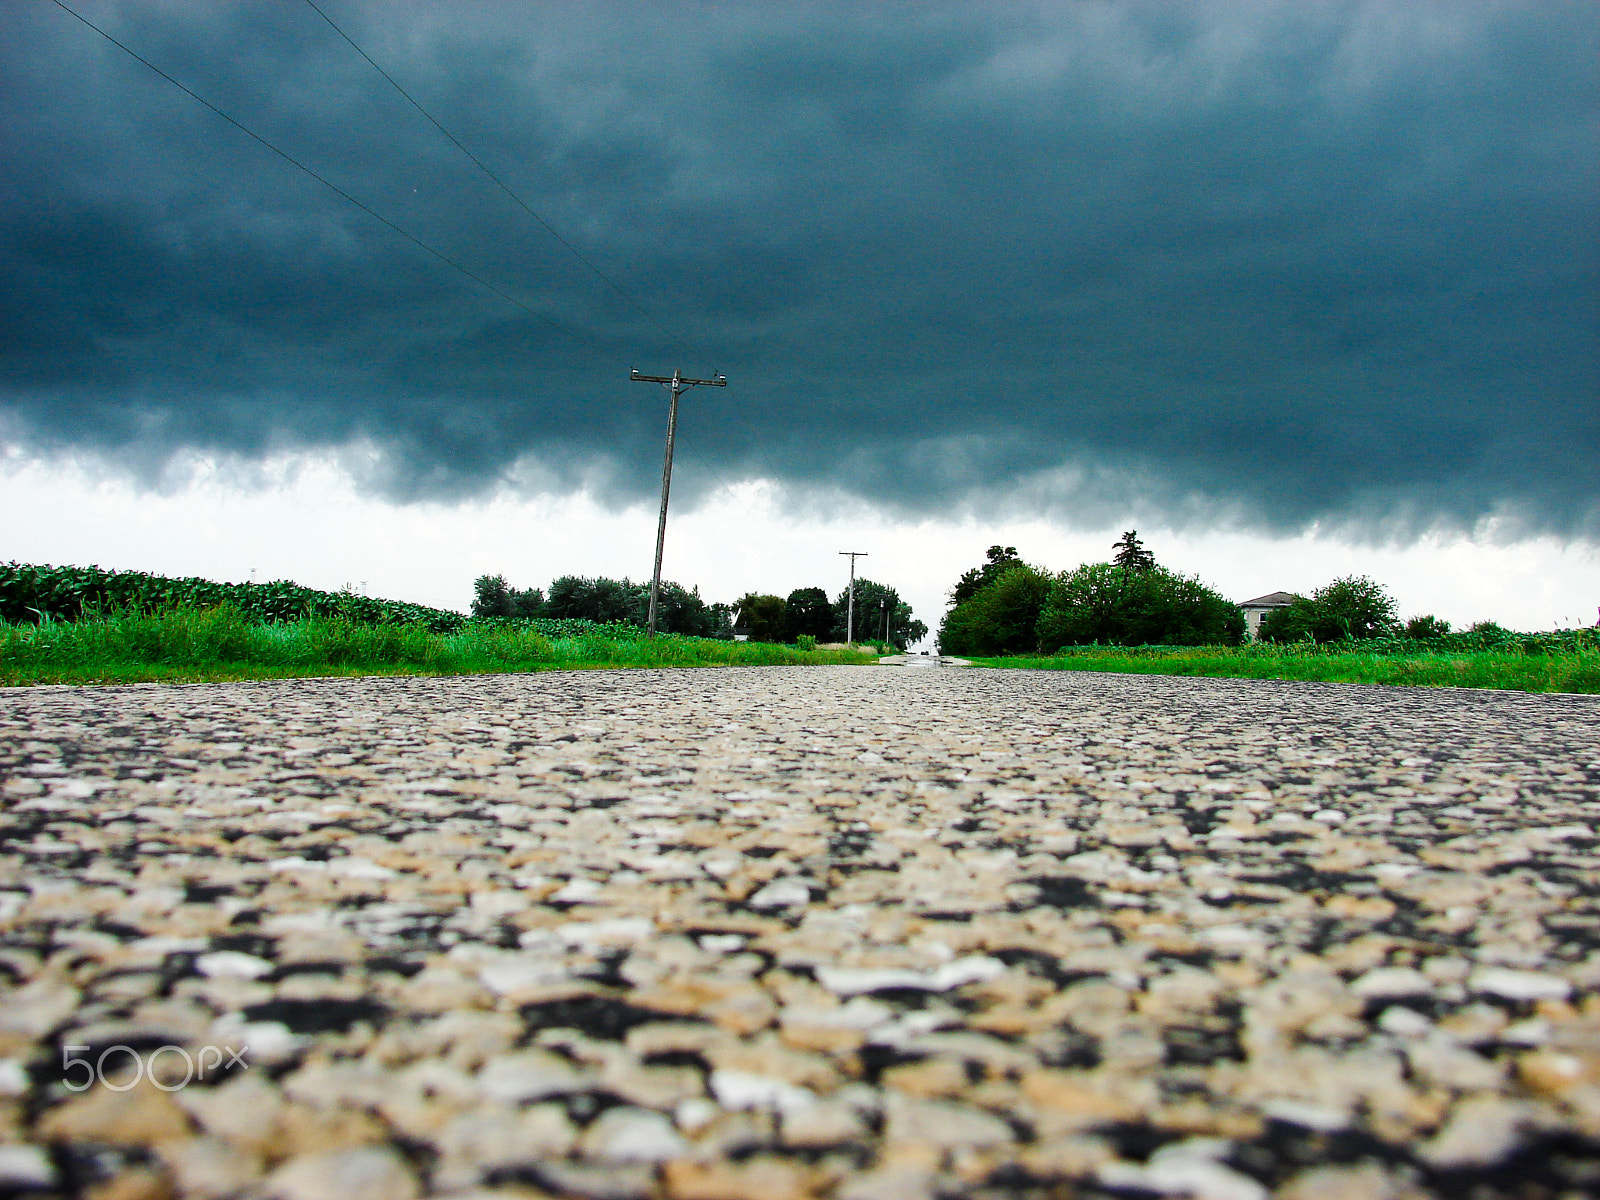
<point>868,933</point>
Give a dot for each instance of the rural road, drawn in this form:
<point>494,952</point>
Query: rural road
<point>868,933</point>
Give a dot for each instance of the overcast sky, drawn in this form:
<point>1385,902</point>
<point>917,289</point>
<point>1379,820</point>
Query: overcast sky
<point>1241,269</point>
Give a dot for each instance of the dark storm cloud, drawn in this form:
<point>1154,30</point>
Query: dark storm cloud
<point>1277,262</point>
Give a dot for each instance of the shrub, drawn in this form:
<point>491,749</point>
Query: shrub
<point>1363,606</point>
<point>1296,622</point>
<point>1101,602</point>
<point>1427,628</point>
<point>805,642</point>
<point>1353,607</point>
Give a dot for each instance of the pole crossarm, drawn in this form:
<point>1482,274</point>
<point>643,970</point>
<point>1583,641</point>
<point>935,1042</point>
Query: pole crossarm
<point>678,382</point>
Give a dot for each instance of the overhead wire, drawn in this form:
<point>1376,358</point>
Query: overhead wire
<point>488,285</point>
<point>500,183</point>
<point>419,243</point>
<point>672,336</point>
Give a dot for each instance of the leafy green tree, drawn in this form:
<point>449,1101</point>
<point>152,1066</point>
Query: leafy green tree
<point>719,621</point>
<point>1361,605</point>
<point>605,601</point>
<point>762,616</point>
<point>1298,621</point>
<point>1427,629</point>
<point>1102,602</point>
<point>874,602</point>
<point>527,604</point>
<point>1001,618</point>
<point>681,610</point>
<point>1131,553</point>
<point>1353,606</point>
<point>1000,559</point>
<point>598,599</point>
<point>491,596</point>
<point>495,597</point>
<point>808,611</point>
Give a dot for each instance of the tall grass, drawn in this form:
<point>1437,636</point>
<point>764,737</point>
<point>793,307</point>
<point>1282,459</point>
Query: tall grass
<point>1573,665</point>
<point>188,644</point>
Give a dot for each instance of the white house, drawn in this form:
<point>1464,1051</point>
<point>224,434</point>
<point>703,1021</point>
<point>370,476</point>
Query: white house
<point>1255,611</point>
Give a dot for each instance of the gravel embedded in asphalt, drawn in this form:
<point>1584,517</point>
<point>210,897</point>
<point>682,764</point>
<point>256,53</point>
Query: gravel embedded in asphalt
<point>871,933</point>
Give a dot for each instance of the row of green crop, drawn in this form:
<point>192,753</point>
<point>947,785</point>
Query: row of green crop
<point>219,642</point>
<point>1477,640</point>
<point>31,593</point>
<point>1575,671</point>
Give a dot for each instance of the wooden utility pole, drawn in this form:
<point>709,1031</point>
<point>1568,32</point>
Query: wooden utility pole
<point>850,609</point>
<point>678,384</point>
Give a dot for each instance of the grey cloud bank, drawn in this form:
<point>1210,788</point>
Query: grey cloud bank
<point>1268,262</point>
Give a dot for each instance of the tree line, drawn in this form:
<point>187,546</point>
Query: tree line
<point>604,601</point>
<point>804,613</point>
<point>1006,606</point>
<point>880,616</point>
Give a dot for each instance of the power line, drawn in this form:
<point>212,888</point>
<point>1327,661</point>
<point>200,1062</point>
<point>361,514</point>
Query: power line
<point>502,185</point>
<point>693,450</point>
<point>482,282</point>
<point>638,307</point>
<point>338,191</point>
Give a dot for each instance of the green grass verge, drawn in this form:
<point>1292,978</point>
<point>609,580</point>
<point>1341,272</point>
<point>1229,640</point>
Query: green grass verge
<point>1578,671</point>
<point>190,645</point>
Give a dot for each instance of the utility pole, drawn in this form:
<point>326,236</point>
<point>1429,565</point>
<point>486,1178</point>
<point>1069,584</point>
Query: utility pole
<point>678,384</point>
<point>850,610</point>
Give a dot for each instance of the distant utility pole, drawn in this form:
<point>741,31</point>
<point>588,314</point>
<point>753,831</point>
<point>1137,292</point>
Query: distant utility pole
<point>678,384</point>
<point>850,610</point>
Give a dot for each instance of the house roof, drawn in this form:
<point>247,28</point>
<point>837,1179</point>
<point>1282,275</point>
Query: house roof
<point>1270,600</point>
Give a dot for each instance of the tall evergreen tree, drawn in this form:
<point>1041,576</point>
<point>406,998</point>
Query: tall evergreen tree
<point>1000,559</point>
<point>1131,553</point>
